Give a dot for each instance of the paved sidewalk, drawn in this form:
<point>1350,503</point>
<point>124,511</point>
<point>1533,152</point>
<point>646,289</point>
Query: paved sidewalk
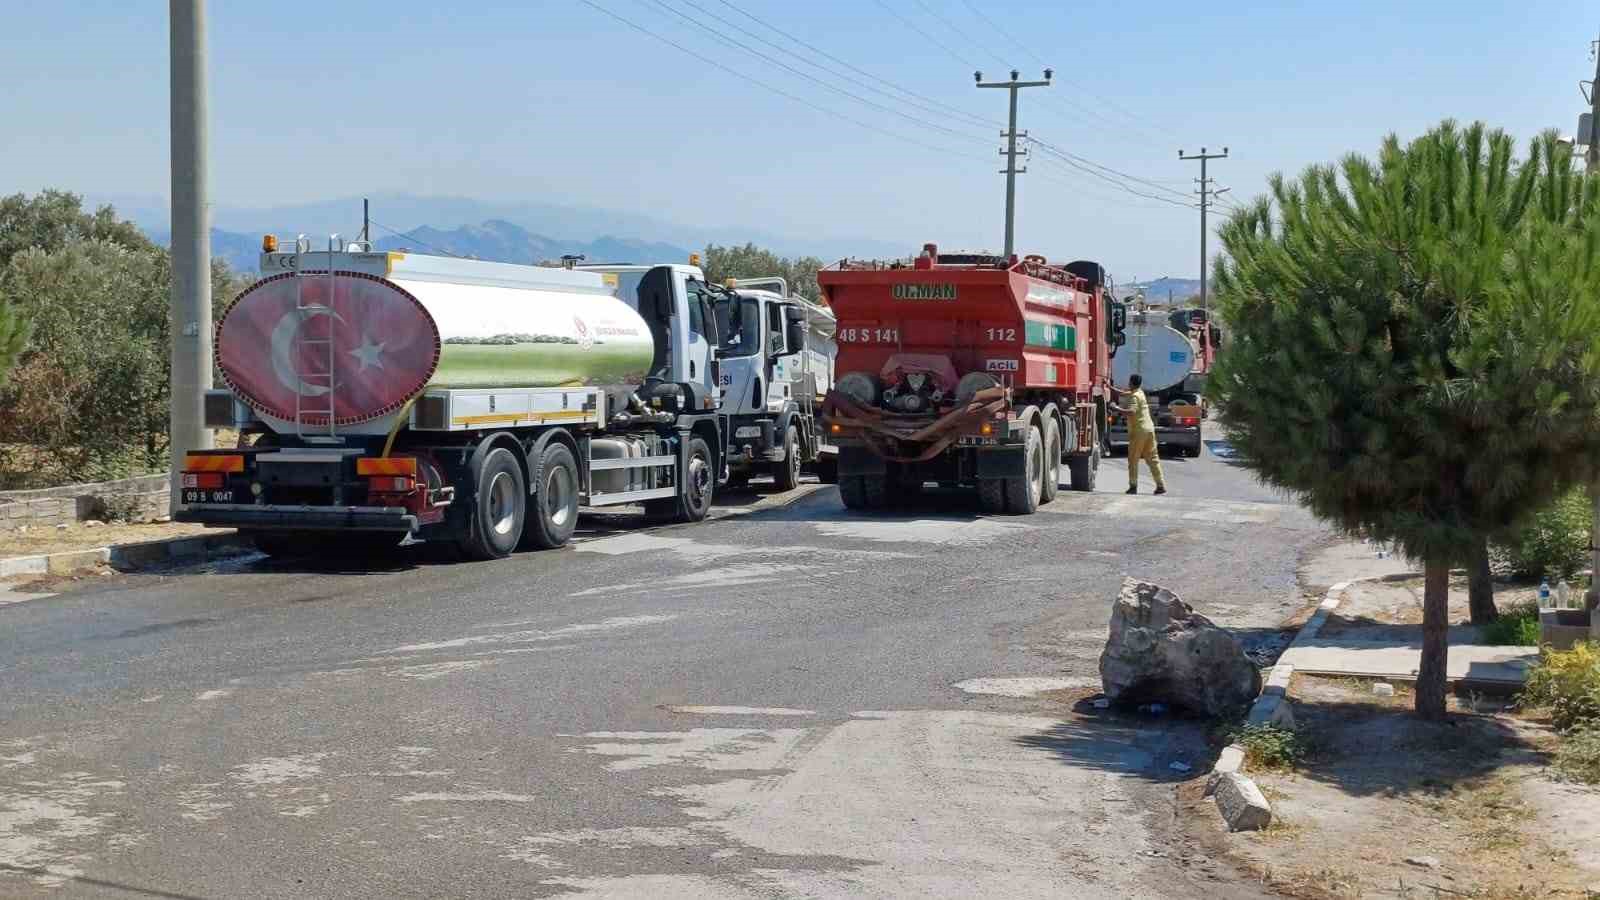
<point>1467,663</point>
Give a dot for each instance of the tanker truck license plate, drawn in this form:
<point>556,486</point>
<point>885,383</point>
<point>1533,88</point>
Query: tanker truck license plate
<point>193,496</point>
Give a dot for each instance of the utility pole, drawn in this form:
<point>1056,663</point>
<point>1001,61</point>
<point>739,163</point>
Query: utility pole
<point>191,239</point>
<point>1010,152</point>
<point>366,221</point>
<point>1205,193</point>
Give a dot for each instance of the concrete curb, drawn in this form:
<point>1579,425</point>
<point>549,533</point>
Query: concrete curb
<point>1273,707</point>
<point>128,557</point>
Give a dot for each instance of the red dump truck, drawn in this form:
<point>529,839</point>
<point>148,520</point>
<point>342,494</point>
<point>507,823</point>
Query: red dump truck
<point>969,370</point>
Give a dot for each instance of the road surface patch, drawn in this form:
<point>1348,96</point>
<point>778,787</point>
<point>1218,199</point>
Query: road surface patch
<point>741,711</point>
<point>535,635</point>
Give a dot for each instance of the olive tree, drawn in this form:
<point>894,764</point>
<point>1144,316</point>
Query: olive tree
<point>1413,349</point>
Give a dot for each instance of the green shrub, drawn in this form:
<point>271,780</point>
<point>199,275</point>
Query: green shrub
<point>1567,683</point>
<point>1517,626</point>
<point>1578,757</point>
<point>1269,747</point>
<point>1553,542</point>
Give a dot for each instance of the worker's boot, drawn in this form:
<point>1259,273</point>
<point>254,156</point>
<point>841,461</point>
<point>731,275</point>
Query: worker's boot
<point>1134,489</point>
<point>1161,489</point>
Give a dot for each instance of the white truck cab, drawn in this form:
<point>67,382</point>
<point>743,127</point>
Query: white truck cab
<point>776,354</point>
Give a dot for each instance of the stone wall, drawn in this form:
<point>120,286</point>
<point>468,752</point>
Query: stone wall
<point>135,499</point>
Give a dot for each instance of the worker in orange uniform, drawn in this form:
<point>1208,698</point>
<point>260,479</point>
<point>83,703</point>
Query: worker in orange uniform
<point>1141,433</point>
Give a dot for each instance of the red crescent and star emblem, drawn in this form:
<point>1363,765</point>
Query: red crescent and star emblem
<point>373,347</point>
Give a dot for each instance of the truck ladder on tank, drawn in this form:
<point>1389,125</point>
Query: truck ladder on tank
<point>304,348</point>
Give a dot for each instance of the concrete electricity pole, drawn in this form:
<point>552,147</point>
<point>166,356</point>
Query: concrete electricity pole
<point>1205,193</point>
<point>191,238</point>
<point>1010,152</point>
<point>1591,165</point>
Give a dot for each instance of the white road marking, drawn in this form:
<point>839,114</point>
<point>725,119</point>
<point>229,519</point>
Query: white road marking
<point>741,711</point>
<point>278,769</point>
<point>437,670</point>
<point>921,531</point>
<point>475,797</point>
<point>531,636</point>
<point>200,803</point>
<point>718,749</point>
<point>213,695</point>
<point>1021,687</point>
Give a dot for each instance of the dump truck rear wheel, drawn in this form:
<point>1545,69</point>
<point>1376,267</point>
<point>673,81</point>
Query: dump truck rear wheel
<point>1022,494</point>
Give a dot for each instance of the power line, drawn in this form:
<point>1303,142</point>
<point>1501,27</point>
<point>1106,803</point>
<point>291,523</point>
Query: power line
<point>931,39</point>
<point>809,77</point>
<point>1120,174</point>
<point>418,241</point>
<point>1069,161</point>
<point>776,90</point>
<point>924,99</point>
<point>1133,118</point>
<point>1001,57</point>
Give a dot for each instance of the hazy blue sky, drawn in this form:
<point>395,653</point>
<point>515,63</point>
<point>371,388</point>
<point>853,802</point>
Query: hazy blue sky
<point>555,101</point>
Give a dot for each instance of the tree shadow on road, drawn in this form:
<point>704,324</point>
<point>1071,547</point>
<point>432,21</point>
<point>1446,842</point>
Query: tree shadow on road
<point>1132,744</point>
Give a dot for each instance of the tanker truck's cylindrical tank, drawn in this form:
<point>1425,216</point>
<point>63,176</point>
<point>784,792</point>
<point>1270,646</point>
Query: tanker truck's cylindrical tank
<point>380,342</point>
<point>1161,355</point>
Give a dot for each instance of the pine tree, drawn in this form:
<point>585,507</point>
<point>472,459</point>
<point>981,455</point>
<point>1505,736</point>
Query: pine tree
<point>1413,351</point>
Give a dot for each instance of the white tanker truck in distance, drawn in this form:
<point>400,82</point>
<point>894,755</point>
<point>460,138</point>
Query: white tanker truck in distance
<point>1168,361</point>
<point>398,395</point>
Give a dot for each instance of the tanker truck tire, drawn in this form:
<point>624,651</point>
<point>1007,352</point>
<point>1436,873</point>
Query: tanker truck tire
<point>694,500</point>
<point>1050,485</point>
<point>787,473</point>
<point>1085,466</point>
<point>992,495</point>
<point>1022,494</point>
<point>499,508</point>
<point>554,513</point>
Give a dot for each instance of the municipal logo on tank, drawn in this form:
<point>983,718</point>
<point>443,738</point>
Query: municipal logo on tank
<point>924,292</point>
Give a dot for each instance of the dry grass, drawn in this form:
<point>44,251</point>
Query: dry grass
<point>39,540</point>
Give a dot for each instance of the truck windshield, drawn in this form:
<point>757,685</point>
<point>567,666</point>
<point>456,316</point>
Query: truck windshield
<point>739,324</point>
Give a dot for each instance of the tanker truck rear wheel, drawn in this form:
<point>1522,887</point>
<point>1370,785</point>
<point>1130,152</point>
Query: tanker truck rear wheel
<point>1083,467</point>
<point>1051,483</point>
<point>694,500</point>
<point>1022,494</point>
<point>499,508</point>
<point>554,513</point>
<point>864,492</point>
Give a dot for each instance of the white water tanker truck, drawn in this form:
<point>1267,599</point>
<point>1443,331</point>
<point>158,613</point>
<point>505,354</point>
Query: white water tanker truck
<point>387,397</point>
<point>1165,358</point>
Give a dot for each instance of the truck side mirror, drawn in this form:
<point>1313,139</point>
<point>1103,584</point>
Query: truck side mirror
<point>1119,318</point>
<point>1119,339</point>
<point>794,329</point>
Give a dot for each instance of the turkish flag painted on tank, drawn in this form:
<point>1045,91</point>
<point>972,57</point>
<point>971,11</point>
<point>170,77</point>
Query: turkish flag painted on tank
<point>373,347</point>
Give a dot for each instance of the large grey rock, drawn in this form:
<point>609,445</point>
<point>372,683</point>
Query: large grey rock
<point>1241,804</point>
<point>1160,649</point>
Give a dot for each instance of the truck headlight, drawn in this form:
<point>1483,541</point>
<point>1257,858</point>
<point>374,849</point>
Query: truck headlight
<point>747,431</point>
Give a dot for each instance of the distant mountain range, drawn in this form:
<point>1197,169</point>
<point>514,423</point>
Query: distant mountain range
<point>495,241</point>
<point>581,229</point>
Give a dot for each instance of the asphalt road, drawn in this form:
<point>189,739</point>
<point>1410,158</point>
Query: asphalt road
<point>795,701</point>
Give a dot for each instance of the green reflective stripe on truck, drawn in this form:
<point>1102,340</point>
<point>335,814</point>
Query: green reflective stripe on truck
<point>1053,335</point>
